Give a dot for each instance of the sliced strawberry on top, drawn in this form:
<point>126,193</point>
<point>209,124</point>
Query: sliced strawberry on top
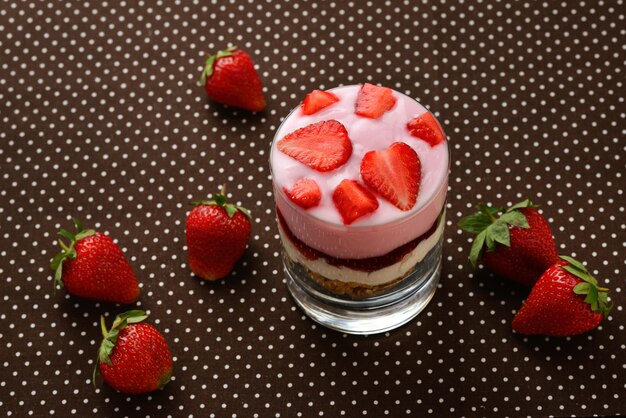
<point>394,173</point>
<point>317,100</point>
<point>373,101</point>
<point>304,193</point>
<point>353,201</point>
<point>323,146</point>
<point>427,128</point>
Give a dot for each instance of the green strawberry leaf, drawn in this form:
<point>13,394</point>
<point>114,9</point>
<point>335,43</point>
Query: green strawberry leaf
<point>56,261</point>
<point>582,288</point>
<point>67,234</point>
<point>230,210</point>
<point>135,316</point>
<point>244,211</point>
<point>488,211</point>
<point>592,296</point>
<point>77,224</point>
<point>583,275</point>
<point>58,278</point>
<point>208,68</point>
<point>85,234</point>
<point>477,248</point>
<point>515,218</point>
<point>489,242</point>
<point>499,232</point>
<point>521,205</point>
<point>577,264</point>
<point>474,224</point>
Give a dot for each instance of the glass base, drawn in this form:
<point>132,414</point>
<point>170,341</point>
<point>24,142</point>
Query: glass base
<point>369,315</point>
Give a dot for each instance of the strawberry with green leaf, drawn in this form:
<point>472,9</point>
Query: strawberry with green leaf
<point>515,243</point>
<point>217,235</point>
<point>133,356</point>
<point>92,266</point>
<point>565,301</point>
<point>229,78</point>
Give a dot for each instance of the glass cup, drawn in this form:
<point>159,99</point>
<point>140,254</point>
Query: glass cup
<point>398,265</point>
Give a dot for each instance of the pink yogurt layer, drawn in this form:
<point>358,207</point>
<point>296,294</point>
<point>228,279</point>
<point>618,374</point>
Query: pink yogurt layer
<point>388,227</point>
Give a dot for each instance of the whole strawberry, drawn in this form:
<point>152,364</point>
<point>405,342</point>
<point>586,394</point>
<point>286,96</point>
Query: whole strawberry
<point>133,356</point>
<point>565,301</point>
<point>217,235</point>
<point>93,267</point>
<point>518,241</point>
<point>230,78</point>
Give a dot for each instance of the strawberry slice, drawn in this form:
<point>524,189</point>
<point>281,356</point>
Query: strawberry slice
<point>353,201</point>
<point>323,146</point>
<point>394,173</point>
<point>373,101</point>
<point>317,100</point>
<point>427,128</point>
<point>304,193</point>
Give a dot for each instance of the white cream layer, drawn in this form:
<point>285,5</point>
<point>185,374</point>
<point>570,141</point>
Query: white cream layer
<point>372,278</point>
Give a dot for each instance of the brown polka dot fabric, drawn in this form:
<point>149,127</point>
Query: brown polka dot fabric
<point>102,118</point>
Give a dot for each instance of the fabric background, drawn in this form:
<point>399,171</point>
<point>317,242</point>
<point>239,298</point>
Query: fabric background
<point>102,118</point>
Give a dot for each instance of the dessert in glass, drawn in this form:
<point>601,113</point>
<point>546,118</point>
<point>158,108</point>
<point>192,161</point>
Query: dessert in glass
<point>360,175</point>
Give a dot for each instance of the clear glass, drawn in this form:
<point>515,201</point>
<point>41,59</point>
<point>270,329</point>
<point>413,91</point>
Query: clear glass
<point>371,309</point>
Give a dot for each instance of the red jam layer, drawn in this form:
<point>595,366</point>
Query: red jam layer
<point>361,264</point>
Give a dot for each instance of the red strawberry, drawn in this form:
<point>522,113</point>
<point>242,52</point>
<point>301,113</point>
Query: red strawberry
<point>353,201</point>
<point>373,101</point>
<point>217,235</point>
<point>230,78</point>
<point>394,173</point>
<point>317,100</point>
<point>133,356</point>
<point>566,300</point>
<point>305,193</point>
<point>427,128</point>
<point>323,146</point>
<point>93,267</point>
<point>519,242</point>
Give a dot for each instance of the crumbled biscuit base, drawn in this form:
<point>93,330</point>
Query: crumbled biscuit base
<point>353,289</point>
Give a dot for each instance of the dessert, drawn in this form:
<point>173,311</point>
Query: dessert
<point>360,179</point>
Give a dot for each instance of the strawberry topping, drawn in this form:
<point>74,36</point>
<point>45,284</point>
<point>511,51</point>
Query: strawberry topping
<point>353,201</point>
<point>323,146</point>
<point>305,193</point>
<point>317,100</point>
<point>427,128</point>
<point>393,173</point>
<point>373,101</point>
